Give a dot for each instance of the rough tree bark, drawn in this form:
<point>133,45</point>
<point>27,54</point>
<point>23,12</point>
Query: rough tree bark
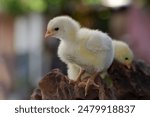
<point>123,83</point>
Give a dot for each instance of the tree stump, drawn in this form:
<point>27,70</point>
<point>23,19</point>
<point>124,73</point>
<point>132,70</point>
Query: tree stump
<point>125,83</point>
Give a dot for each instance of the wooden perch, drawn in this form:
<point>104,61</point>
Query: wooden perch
<point>126,83</point>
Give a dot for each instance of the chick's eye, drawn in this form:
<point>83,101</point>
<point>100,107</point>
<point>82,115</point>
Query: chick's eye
<point>126,58</point>
<point>56,29</point>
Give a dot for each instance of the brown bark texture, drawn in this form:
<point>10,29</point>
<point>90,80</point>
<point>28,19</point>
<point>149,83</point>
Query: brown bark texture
<point>121,83</point>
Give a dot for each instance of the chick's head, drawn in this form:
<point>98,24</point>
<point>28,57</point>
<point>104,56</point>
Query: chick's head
<point>123,53</point>
<point>62,27</point>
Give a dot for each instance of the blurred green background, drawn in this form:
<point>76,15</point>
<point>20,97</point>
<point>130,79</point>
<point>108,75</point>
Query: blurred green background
<point>25,56</point>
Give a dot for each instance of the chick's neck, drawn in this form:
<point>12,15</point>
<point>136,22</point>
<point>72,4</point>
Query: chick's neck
<point>70,38</point>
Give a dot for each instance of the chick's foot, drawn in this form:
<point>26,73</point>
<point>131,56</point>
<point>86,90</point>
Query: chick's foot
<point>90,82</point>
<point>82,71</point>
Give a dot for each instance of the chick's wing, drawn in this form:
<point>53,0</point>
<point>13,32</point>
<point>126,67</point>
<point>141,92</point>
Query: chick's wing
<point>96,44</point>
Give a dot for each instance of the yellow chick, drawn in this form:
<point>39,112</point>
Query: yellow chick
<point>123,53</point>
<point>73,71</point>
<point>91,50</point>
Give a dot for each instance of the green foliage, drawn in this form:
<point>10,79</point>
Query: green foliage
<point>92,1</point>
<point>16,7</point>
<point>147,3</point>
<point>36,5</point>
<point>12,6</point>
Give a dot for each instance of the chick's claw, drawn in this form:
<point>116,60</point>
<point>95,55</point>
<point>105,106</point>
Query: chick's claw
<point>90,82</point>
<point>82,71</point>
<point>71,81</point>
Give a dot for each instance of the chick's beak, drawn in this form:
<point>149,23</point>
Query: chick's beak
<point>128,66</point>
<point>49,34</point>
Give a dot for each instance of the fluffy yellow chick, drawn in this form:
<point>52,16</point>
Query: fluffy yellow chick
<point>123,53</point>
<point>91,50</point>
<point>74,72</point>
